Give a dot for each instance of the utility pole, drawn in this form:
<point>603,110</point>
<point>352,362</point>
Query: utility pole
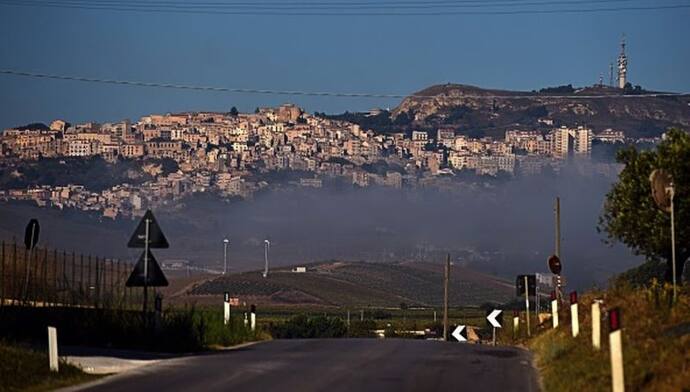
<point>557,213</point>
<point>445,298</point>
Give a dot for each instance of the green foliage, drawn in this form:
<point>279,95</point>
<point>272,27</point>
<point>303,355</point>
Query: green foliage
<point>362,329</point>
<point>643,274</point>
<point>94,173</point>
<point>630,214</point>
<point>565,89</point>
<point>306,327</point>
<point>176,331</point>
<point>234,112</point>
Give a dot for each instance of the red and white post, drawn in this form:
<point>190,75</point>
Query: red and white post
<point>616,347</point>
<point>574,320</point>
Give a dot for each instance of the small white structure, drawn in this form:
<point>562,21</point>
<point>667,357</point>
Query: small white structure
<point>299,270</point>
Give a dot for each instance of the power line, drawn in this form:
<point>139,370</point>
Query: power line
<point>275,11</point>
<point>318,93</point>
<point>287,6</point>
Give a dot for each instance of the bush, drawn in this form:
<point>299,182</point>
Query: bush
<point>362,329</point>
<point>305,327</point>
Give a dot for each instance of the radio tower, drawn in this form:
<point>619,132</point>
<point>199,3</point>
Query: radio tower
<point>622,65</point>
<point>610,74</point>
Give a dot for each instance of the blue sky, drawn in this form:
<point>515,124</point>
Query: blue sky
<point>382,54</point>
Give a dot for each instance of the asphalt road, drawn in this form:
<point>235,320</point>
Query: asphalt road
<point>337,365</point>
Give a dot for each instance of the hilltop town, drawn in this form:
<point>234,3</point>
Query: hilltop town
<point>234,154</point>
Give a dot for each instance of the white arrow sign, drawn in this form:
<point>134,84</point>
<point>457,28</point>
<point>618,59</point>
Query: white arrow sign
<point>492,318</point>
<point>457,334</point>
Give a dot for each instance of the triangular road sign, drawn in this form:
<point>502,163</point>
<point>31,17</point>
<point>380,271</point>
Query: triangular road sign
<point>156,278</point>
<point>156,237</point>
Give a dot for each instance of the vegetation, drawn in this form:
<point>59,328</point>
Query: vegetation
<point>565,89</point>
<point>23,369</point>
<point>95,173</point>
<point>305,327</point>
<point>656,343</point>
<point>630,214</point>
<point>175,331</point>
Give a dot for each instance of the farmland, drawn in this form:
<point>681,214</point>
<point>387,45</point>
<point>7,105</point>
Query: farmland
<point>356,284</point>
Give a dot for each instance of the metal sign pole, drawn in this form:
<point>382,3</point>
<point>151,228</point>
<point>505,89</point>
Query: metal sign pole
<point>146,266</point>
<point>28,262</point>
<point>445,298</point>
<point>673,242</point>
<point>529,332</point>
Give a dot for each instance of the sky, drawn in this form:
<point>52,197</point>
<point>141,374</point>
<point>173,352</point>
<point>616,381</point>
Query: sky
<point>370,54</point>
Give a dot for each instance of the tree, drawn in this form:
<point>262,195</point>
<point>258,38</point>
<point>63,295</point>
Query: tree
<point>630,214</point>
<point>234,112</point>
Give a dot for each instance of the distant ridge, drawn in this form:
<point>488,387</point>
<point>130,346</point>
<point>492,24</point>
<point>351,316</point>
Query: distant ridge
<point>464,108</point>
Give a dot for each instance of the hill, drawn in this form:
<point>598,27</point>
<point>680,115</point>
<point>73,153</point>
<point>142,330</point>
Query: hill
<point>476,112</point>
<point>361,284</point>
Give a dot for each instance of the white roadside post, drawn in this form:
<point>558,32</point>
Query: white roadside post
<point>616,347</point>
<point>575,322</point>
<point>516,324</point>
<point>554,310</point>
<point>252,318</point>
<point>52,349</point>
<point>596,324</point>
<point>226,308</point>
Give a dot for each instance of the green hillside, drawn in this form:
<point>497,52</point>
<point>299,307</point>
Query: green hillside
<point>361,284</point>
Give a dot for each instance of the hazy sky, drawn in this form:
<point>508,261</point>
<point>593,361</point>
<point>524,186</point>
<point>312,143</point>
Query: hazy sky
<point>381,54</point>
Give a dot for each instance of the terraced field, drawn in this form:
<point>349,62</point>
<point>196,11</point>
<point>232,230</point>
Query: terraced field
<point>361,284</point>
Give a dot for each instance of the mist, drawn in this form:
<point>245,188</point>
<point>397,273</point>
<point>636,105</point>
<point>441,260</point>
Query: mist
<point>503,228</point>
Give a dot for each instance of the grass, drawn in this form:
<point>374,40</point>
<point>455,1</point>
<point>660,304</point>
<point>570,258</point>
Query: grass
<point>656,343</point>
<point>177,330</point>
<point>24,369</point>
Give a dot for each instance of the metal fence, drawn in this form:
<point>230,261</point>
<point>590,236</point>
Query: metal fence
<point>48,277</point>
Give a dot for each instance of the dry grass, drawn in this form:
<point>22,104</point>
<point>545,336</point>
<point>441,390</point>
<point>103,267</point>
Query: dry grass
<point>656,344</point>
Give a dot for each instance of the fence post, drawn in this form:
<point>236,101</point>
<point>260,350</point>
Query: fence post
<point>97,279</point>
<point>64,278</point>
<point>596,324</point>
<point>54,292</point>
<point>2,276</point>
<point>44,291</point>
<point>81,278</point>
<point>73,284</point>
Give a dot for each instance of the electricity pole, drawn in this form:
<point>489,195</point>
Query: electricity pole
<point>445,298</point>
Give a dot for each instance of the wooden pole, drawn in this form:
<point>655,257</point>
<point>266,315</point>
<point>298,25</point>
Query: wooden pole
<point>446,279</point>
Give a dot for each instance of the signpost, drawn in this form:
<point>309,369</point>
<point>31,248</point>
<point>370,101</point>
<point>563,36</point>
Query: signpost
<point>147,235</point>
<point>664,192</point>
<point>494,322</point>
<point>556,267</point>
<point>460,333</point>
<point>526,285</point>
<point>30,241</point>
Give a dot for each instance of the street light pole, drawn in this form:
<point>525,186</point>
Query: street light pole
<point>267,244</point>
<point>225,256</point>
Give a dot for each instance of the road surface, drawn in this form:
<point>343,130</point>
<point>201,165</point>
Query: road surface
<point>337,365</point>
